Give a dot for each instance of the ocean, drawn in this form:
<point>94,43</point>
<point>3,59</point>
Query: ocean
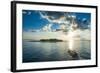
<point>55,51</point>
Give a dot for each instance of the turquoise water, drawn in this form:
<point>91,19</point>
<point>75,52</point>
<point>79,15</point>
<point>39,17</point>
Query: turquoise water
<point>55,51</point>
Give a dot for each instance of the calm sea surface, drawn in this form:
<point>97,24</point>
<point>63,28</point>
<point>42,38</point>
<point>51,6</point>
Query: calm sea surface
<point>55,51</point>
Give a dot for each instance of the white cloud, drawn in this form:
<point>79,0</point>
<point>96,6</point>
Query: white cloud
<point>24,12</point>
<point>47,27</point>
<point>77,35</point>
<point>46,31</point>
<point>45,16</point>
<point>60,20</point>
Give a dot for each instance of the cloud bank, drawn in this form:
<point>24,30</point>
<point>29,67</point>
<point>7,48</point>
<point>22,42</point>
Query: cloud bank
<point>64,20</point>
<point>78,35</point>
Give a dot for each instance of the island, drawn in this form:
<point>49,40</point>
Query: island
<point>51,40</point>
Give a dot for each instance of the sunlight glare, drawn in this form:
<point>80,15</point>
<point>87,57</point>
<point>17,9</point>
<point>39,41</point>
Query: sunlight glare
<point>71,40</point>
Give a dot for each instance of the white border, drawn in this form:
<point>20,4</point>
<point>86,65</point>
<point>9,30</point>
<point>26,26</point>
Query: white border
<point>38,65</point>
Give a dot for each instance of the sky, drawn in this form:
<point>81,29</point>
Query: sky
<point>36,20</point>
<point>44,24</point>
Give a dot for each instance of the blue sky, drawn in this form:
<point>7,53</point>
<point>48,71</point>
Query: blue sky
<point>33,20</point>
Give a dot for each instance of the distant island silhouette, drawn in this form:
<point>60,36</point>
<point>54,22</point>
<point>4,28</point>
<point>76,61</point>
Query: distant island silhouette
<point>47,40</point>
<point>51,40</point>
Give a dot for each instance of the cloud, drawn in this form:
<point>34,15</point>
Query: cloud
<point>77,35</point>
<point>60,19</point>
<point>45,16</point>
<point>27,12</point>
<point>47,27</point>
<point>24,12</point>
<point>86,34</point>
<point>81,34</point>
<point>51,18</point>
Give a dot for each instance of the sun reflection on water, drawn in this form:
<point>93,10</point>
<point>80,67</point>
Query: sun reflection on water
<point>71,40</point>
